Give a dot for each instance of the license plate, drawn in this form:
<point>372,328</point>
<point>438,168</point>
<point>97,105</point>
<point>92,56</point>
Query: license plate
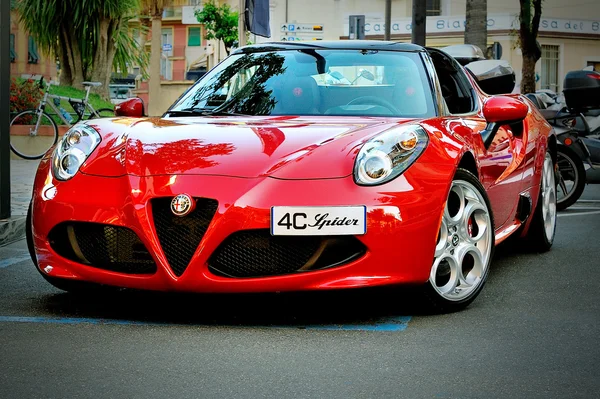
<point>318,220</point>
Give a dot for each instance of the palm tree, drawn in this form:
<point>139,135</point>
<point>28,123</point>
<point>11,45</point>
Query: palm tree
<point>85,35</point>
<point>155,9</point>
<point>476,27</point>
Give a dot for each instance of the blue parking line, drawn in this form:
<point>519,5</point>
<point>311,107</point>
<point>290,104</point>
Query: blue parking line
<point>12,261</point>
<point>71,320</point>
<point>392,324</point>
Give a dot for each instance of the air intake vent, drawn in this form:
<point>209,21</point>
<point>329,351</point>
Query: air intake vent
<point>256,253</point>
<point>180,236</point>
<point>107,247</point>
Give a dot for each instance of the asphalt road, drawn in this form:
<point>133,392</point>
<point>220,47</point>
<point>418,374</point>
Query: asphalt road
<point>532,333</point>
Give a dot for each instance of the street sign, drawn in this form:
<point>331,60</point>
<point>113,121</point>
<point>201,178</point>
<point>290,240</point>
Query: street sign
<point>167,47</point>
<point>302,28</point>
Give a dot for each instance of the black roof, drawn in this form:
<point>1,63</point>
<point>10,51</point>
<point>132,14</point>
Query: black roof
<point>335,45</point>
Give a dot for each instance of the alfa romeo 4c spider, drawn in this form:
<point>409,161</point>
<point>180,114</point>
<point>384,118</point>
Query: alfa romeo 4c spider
<point>301,166</point>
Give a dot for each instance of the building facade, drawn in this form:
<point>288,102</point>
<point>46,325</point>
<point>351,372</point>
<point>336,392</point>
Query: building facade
<point>569,33</point>
<point>25,57</point>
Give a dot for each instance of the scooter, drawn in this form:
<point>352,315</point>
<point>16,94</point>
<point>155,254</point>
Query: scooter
<point>576,121</point>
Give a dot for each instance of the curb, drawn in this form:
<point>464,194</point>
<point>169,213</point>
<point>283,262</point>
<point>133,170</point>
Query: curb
<point>12,230</point>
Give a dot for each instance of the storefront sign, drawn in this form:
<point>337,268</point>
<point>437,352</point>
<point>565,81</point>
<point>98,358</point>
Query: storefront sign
<point>495,22</point>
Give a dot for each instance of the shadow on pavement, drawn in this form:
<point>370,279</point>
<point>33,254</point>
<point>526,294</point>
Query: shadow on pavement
<point>357,306</point>
<point>363,306</point>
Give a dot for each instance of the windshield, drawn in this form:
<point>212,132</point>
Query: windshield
<point>315,82</point>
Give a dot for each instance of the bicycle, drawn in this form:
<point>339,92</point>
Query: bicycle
<point>34,131</point>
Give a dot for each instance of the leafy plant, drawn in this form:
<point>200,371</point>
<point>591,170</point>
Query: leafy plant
<point>219,23</point>
<point>24,94</point>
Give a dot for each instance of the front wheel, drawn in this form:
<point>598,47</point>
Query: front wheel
<point>571,178</point>
<point>32,134</point>
<point>465,245</point>
<point>102,113</point>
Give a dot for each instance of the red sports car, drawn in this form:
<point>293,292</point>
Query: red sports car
<point>301,166</point>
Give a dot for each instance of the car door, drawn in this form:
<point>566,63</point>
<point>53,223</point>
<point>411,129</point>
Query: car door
<point>501,169</point>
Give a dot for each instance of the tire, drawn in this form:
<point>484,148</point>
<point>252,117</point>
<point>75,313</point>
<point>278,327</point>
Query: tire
<point>572,177</point>
<point>464,248</point>
<point>542,230</point>
<point>75,287</point>
<point>102,113</point>
<point>32,145</point>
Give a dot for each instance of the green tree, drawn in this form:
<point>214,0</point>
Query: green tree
<point>219,23</point>
<point>90,37</point>
<point>530,49</point>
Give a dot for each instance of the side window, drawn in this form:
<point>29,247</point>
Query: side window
<point>456,89</point>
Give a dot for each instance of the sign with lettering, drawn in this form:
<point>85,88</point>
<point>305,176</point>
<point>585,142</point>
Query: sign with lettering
<point>302,28</point>
<point>450,24</point>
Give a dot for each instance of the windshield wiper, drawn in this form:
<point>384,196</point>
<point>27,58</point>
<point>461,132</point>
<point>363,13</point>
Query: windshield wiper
<point>202,112</point>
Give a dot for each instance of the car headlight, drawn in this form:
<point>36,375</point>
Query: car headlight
<point>389,154</point>
<point>72,150</point>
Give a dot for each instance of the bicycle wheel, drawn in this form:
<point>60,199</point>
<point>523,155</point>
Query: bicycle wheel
<point>28,142</point>
<point>102,113</point>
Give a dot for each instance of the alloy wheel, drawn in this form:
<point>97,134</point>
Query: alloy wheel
<point>464,246</point>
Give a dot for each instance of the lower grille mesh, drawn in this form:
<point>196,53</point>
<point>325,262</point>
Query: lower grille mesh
<point>107,247</point>
<point>180,236</point>
<point>256,253</point>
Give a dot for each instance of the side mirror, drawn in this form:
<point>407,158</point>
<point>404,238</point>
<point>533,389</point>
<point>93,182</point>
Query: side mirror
<point>134,107</point>
<point>366,74</point>
<point>501,110</point>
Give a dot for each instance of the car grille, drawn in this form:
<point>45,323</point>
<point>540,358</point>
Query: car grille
<point>107,247</point>
<point>180,236</point>
<point>256,253</point>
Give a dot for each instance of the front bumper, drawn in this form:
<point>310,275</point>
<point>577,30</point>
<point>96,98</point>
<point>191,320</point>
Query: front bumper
<point>403,220</point>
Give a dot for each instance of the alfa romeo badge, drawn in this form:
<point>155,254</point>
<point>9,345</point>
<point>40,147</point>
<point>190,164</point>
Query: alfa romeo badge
<point>182,205</point>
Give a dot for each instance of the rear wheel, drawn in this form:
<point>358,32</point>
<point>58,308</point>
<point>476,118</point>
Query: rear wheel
<point>543,225</point>
<point>464,247</point>
<point>571,179</point>
<point>32,134</point>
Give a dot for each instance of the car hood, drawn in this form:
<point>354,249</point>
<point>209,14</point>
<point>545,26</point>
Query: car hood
<point>282,147</point>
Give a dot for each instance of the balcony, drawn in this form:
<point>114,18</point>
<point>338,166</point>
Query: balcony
<point>174,12</point>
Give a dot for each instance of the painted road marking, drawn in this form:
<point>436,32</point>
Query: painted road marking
<point>12,261</point>
<point>388,324</point>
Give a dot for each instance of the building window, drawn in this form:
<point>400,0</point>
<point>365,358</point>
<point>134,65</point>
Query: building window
<point>195,2</point>
<point>13,55</point>
<point>166,65</point>
<point>194,37</point>
<point>434,8</point>
<point>33,56</point>
<point>549,76</point>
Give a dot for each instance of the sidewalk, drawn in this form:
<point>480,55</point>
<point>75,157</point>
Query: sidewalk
<point>22,173</point>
